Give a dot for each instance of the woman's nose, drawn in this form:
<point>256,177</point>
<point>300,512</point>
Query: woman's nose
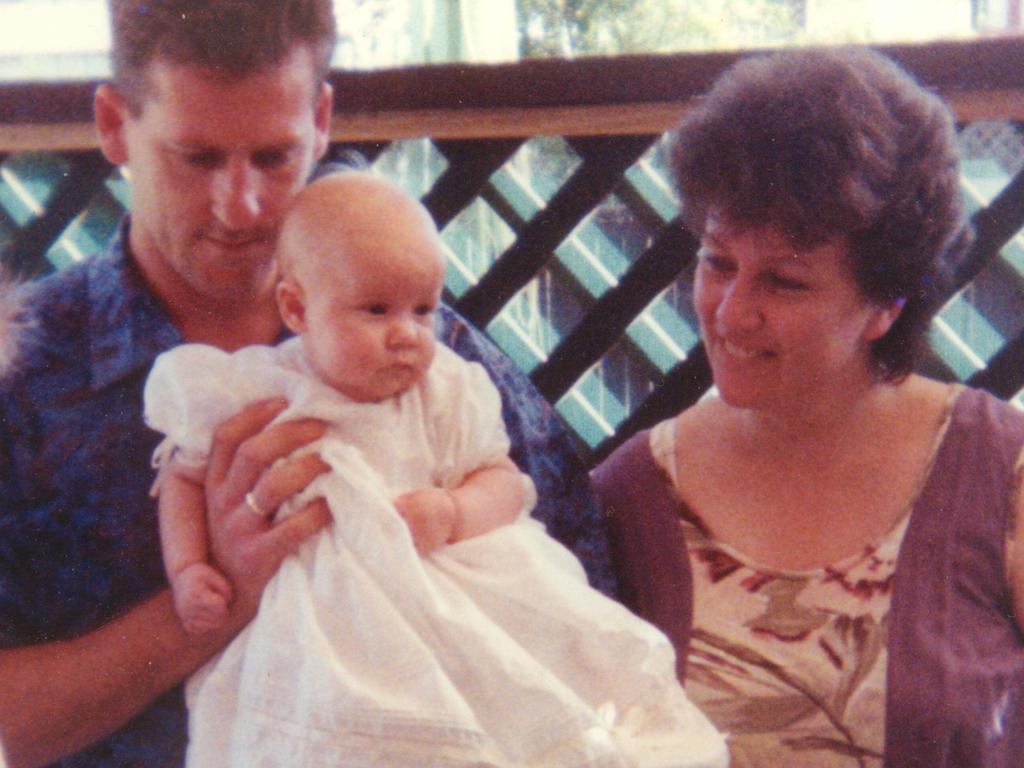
<point>739,308</point>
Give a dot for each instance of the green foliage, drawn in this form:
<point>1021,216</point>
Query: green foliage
<point>577,27</point>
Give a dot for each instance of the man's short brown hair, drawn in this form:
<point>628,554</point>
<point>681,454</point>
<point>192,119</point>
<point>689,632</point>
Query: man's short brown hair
<point>235,38</point>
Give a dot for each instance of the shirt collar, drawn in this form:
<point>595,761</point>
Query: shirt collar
<point>127,326</point>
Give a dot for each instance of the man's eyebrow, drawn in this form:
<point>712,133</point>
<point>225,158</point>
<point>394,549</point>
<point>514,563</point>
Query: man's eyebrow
<point>188,145</point>
<point>192,146</point>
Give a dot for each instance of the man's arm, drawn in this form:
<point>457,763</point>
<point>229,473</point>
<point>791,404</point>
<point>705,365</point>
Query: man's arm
<point>57,698</point>
<point>60,697</point>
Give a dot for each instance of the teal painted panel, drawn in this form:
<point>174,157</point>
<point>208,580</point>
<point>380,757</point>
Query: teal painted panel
<point>29,181</point>
<point>652,183</point>
<point>580,421</point>
<point>524,201</point>
<point>972,327</point>
<point>476,237</point>
<point>413,164</point>
<point>88,233</point>
<point>982,181</point>
<point>592,258</point>
<point>15,206</point>
<point>534,174</point>
<point>1013,253</point>
<point>119,188</point>
<point>592,410</point>
<point>962,365</point>
<point>510,339</point>
<point>663,336</point>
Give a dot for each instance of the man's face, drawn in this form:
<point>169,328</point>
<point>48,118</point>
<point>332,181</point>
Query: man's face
<point>213,164</point>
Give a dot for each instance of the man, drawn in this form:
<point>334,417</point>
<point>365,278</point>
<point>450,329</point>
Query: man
<point>219,109</point>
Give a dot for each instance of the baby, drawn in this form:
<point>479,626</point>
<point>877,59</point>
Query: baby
<point>362,273</point>
<point>435,622</point>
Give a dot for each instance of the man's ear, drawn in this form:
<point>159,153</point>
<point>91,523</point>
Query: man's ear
<point>322,112</point>
<point>291,304</point>
<point>111,113</point>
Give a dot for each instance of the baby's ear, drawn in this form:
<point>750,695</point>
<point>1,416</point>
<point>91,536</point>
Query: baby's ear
<point>292,305</point>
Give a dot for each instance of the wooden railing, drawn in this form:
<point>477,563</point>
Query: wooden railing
<point>610,112</point>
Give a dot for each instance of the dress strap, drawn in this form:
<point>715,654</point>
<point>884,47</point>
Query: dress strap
<point>647,545</point>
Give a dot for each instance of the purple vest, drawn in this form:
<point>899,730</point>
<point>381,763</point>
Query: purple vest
<point>955,691</point>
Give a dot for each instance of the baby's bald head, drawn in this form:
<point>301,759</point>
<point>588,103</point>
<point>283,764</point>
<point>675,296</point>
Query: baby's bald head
<point>354,216</point>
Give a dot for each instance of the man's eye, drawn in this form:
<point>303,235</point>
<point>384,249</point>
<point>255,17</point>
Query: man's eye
<point>425,309</point>
<point>270,158</point>
<point>377,309</point>
<point>204,160</point>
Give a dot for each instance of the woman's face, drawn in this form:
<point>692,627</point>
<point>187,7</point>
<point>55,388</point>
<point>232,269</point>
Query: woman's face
<point>782,327</point>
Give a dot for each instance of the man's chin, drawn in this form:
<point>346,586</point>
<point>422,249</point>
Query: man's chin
<point>236,285</point>
<point>247,252</point>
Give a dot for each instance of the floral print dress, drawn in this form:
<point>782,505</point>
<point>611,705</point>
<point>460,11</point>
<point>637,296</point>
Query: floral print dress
<point>790,665</point>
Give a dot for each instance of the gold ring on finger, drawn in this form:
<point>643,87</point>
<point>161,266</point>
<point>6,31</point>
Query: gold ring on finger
<point>253,505</point>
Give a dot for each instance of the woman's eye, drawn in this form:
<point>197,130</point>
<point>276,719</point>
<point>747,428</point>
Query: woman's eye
<point>787,283</point>
<point>425,309</point>
<point>713,261</point>
<point>377,309</point>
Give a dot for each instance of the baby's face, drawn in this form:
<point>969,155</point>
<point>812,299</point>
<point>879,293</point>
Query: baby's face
<point>370,320</point>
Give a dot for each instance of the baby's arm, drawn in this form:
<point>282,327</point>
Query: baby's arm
<point>488,498</point>
<point>201,592</point>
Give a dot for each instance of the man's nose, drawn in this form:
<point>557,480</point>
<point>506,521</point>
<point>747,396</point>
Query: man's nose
<point>237,191</point>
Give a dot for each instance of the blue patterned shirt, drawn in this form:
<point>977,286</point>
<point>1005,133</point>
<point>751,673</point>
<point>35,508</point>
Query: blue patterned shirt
<point>79,543</point>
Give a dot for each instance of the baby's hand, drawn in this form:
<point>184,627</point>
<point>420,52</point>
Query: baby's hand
<point>432,516</point>
<point>201,597</point>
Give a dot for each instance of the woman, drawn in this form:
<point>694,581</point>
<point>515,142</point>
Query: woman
<point>848,555</point>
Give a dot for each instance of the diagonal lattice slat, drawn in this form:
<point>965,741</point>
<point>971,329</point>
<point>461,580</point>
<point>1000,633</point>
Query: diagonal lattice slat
<point>71,196</point>
<point>994,225</point>
<point>605,160</point>
<point>472,163</point>
<point>615,310</point>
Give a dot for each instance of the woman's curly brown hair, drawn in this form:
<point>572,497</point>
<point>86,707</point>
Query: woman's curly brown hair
<point>837,143</point>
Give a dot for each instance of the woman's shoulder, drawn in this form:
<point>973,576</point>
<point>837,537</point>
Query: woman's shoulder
<point>647,459</point>
<point>981,411</point>
<point>702,433</point>
<point>700,419</point>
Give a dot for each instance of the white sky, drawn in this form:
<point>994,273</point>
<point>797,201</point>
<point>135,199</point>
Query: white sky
<point>41,38</point>
<point>46,26</point>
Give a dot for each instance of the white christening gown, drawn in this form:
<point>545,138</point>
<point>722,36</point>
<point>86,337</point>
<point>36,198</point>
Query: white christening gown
<point>492,651</point>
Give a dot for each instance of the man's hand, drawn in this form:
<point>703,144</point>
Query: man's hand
<point>246,546</point>
<point>432,516</point>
